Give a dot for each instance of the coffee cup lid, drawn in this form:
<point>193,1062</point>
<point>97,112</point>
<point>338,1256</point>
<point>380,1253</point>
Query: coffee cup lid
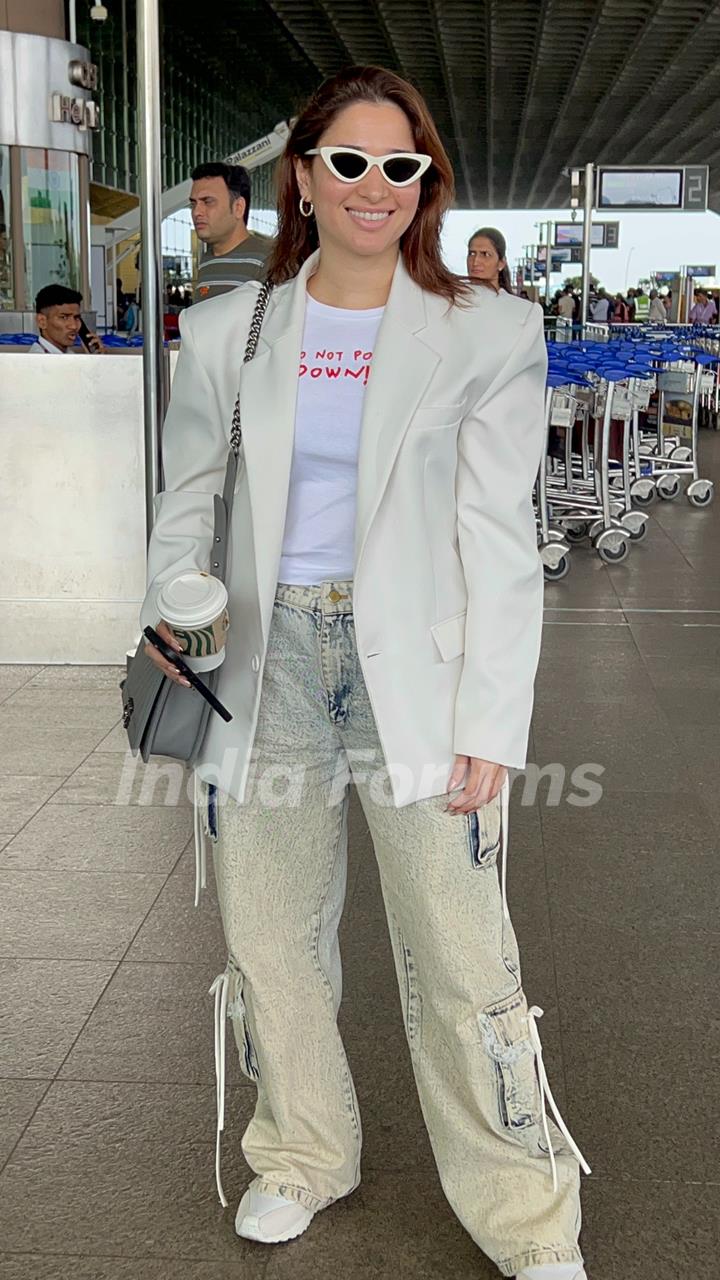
<point>191,599</point>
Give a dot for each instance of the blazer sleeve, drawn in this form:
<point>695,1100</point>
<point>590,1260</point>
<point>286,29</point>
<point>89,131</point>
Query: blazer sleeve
<point>194,450</point>
<point>500,445</point>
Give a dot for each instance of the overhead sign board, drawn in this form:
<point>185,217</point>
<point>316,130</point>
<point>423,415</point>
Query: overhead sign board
<point>647,188</point>
<point>664,277</point>
<point>569,233</point>
<point>567,253</point>
<point>700,272</point>
<point>605,235</point>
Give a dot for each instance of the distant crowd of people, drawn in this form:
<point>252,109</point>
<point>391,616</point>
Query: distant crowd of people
<point>634,306</point>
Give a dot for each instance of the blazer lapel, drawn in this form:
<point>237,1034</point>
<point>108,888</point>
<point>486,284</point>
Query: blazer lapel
<point>402,367</point>
<point>268,396</point>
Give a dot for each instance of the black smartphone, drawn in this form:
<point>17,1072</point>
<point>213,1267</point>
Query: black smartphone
<point>151,634</point>
<point>84,335</point>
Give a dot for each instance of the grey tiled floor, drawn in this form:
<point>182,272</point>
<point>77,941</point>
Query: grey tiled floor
<point>106,1074</point>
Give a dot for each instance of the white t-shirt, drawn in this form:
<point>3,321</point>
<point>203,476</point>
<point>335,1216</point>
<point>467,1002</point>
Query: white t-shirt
<point>335,364</point>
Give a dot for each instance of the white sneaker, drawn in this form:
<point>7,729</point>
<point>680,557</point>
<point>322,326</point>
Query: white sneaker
<point>554,1271</point>
<point>270,1219</point>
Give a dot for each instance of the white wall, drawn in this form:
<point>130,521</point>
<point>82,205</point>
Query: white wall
<point>72,498</point>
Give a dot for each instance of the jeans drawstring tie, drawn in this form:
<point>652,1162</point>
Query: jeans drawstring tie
<point>199,806</point>
<point>504,825</point>
<point>546,1092</point>
<point>219,990</point>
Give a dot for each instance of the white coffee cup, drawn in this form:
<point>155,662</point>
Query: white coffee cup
<point>194,604</point>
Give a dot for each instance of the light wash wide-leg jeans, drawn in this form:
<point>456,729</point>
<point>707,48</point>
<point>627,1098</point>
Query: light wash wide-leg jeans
<point>280,867</point>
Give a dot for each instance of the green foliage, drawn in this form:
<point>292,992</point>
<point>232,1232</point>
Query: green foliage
<point>575,282</point>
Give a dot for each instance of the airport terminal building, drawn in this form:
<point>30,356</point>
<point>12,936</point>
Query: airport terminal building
<point>69,142</point>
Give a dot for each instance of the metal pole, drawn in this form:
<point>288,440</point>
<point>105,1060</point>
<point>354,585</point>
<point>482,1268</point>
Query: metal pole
<point>587,239</point>
<point>150,168</point>
<point>20,249</point>
<point>114,287</point>
<point>548,260</point>
<point>85,232</point>
<point>72,21</point>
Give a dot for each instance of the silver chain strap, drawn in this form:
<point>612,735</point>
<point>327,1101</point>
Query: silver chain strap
<point>253,335</point>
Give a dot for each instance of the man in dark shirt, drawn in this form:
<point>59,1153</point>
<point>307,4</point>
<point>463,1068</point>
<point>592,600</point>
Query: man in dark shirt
<point>220,204</point>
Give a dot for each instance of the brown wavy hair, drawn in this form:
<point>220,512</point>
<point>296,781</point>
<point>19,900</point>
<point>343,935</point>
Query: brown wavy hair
<point>497,240</point>
<point>297,236</point>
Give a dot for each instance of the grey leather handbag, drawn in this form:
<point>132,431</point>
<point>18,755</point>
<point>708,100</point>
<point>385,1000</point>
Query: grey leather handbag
<point>162,717</point>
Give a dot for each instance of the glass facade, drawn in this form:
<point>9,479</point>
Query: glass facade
<point>112,49</point>
<point>201,118</point>
<point>7,290</point>
<point>216,97</point>
<point>50,189</point>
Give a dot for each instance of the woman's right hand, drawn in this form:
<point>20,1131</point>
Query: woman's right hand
<point>167,668</point>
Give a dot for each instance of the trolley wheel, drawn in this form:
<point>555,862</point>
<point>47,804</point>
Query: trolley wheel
<point>681,454</point>
<point>554,572</point>
<point>575,531</point>
<point>556,535</point>
<point>639,532</point>
<point>612,545</point>
<point>642,491</point>
<point>668,487</point>
<point>700,493</point>
<point>636,524</point>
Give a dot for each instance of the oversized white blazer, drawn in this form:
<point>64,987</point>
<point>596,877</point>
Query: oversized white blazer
<point>447,580</point>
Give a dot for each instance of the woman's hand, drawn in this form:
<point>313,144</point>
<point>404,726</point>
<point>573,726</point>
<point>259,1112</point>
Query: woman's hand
<point>482,780</point>
<point>167,668</point>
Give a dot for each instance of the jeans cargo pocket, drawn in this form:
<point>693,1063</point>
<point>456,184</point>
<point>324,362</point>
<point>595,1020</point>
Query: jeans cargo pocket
<point>238,1014</point>
<point>506,1037</point>
<point>483,833</point>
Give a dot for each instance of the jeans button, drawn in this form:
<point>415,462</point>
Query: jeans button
<point>255,664</point>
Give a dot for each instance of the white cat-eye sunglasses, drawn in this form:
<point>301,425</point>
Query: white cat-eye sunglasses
<point>400,168</point>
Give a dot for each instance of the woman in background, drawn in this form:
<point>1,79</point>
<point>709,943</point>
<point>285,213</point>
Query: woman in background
<point>487,260</point>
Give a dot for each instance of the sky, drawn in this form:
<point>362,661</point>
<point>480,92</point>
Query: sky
<point>649,242</point>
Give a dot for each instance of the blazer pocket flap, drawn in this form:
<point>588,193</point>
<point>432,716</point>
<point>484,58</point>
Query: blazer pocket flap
<point>449,636</point>
<point>437,415</point>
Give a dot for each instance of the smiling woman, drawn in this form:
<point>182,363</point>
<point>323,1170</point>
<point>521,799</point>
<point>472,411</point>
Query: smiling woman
<point>385,601</point>
<point>395,194</point>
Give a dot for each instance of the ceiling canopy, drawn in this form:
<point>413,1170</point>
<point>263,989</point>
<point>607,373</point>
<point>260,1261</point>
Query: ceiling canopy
<point>520,89</point>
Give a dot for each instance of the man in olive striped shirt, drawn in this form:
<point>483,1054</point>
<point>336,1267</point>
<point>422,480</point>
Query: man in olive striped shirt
<point>219,205</point>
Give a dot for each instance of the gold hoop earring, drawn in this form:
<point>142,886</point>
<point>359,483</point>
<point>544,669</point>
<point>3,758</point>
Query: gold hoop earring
<point>306,213</point>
